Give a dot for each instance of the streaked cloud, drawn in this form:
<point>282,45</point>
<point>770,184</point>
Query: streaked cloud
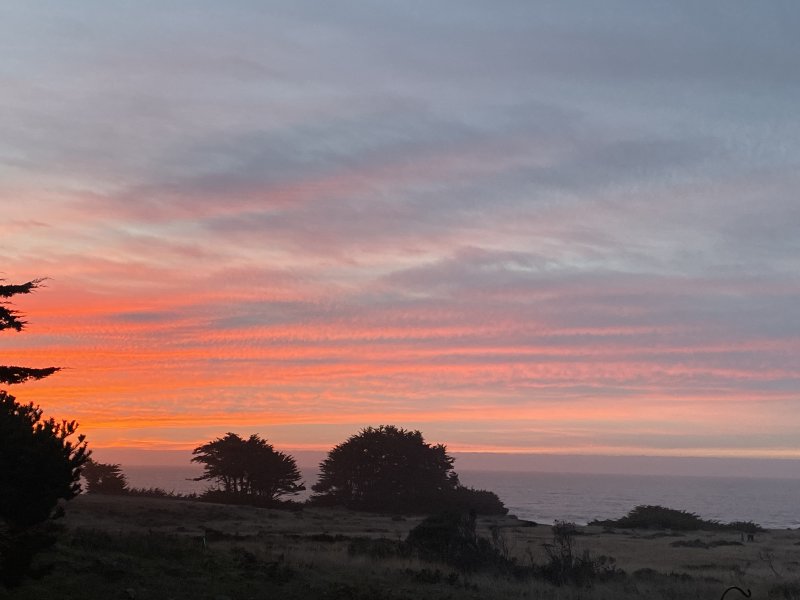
<point>536,226</point>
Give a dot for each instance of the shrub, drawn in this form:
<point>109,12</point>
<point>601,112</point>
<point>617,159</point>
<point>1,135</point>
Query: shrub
<point>157,492</point>
<point>450,537</point>
<point>482,502</point>
<point>659,517</point>
<point>378,547</point>
<point>565,566</point>
<point>745,526</point>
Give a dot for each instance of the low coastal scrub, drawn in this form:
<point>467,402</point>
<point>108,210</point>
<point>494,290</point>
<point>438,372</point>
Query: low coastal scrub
<point>659,517</point>
<point>223,497</point>
<point>142,548</point>
<point>565,565</point>
<point>157,492</point>
<point>451,538</point>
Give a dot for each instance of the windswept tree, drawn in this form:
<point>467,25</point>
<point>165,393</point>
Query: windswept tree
<point>104,478</point>
<point>39,462</point>
<point>393,469</point>
<point>11,319</point>
<point>247,470</point>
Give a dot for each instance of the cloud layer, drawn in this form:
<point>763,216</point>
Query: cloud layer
<point>525,227</point>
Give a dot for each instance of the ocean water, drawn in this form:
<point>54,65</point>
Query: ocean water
<point>577,497</point>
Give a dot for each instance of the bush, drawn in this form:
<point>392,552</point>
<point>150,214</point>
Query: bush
<point>450,537</point>
<point>378,548</point>
<point>482,502</point>
<point>745,526</point>
<point>659,517</point>
<point>157,492</point>
<point>565,566</point>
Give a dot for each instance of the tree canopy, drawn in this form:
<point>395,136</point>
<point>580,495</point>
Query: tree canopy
<point>104,478</point>
<point>39,462</point>
<point>386,468</point>
<point>11,319</point>
<point>393,469</point>
<point>248,469</point>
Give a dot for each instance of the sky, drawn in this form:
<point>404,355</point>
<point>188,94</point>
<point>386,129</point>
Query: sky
<point>523,227</point>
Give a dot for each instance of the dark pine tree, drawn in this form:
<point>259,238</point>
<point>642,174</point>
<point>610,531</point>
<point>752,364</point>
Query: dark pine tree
<point>247,470</point>
<point>104,478</point>
<point>39,462</point>
<point>11,319</point>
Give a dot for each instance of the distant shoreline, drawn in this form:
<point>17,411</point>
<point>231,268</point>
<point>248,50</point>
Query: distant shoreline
<point>662,466</point>
<point>580,498</point>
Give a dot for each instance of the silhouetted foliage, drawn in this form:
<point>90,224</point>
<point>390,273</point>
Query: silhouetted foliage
<point>157,492</point>
<point>248,471</point>
<point>391,469</point>
<point>659,517</point>
<point>378,548</point>
<point>466,499</point>
<point>39,464</point>
<point>565,566</point>
<point>11,319</point>
<point>745,526</point>
<point>104,478</point>
<point>451,538</point>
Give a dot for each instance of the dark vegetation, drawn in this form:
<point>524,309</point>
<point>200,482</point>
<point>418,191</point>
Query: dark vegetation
<point>104,478</point>
<point>157,492</point>
<point>566,566</point>
<point>659,517</point>
<point>247,471</point>
<point>390,469</point>
<point>39,463</point>
<point>451,538</point>
<point>701,544</point>
<point>180,549</point>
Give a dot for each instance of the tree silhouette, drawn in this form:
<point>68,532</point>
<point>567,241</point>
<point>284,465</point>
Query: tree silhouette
<point>386,469</point>
<point>11,319</point>
<point>39,463</point>
<point>247,470</point>
<point>104,478</point>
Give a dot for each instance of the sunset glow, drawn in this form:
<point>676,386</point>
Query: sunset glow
<point>533,230</point>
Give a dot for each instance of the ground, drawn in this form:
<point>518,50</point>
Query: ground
<point>132,548</point>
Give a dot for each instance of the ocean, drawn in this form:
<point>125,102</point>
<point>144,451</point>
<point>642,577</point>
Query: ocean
<point>580,498</point>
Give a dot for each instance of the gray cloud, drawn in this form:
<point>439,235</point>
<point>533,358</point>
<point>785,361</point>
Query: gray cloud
<point>528,202</point>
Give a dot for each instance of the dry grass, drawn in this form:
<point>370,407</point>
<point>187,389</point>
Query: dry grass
<point>135,548</point>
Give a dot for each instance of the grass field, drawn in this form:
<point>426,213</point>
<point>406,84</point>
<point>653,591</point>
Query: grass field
<point>132,548</point>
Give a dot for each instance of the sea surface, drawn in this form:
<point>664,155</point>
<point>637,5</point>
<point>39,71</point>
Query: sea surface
<point>578,497</point>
